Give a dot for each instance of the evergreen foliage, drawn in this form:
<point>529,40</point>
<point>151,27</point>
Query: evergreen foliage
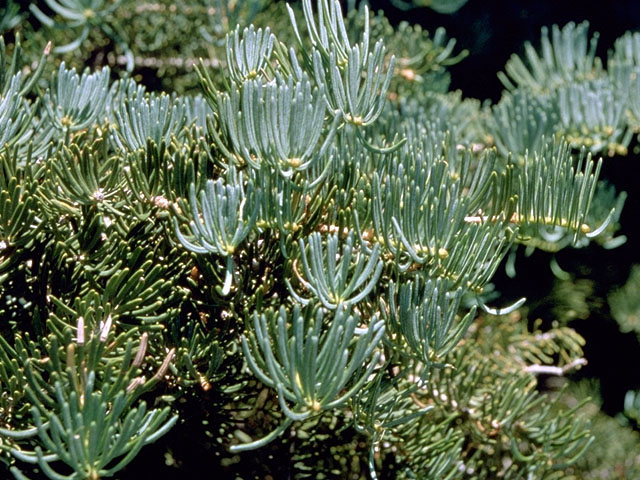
<point>305,249</point>
<point>624,303</point>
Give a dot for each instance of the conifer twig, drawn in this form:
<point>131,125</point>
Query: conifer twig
<point>538,369</point>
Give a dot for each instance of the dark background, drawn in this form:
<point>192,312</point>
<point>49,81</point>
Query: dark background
<point>492,30</point>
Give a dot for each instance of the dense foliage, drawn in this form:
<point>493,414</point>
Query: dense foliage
<point>282,266</point>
